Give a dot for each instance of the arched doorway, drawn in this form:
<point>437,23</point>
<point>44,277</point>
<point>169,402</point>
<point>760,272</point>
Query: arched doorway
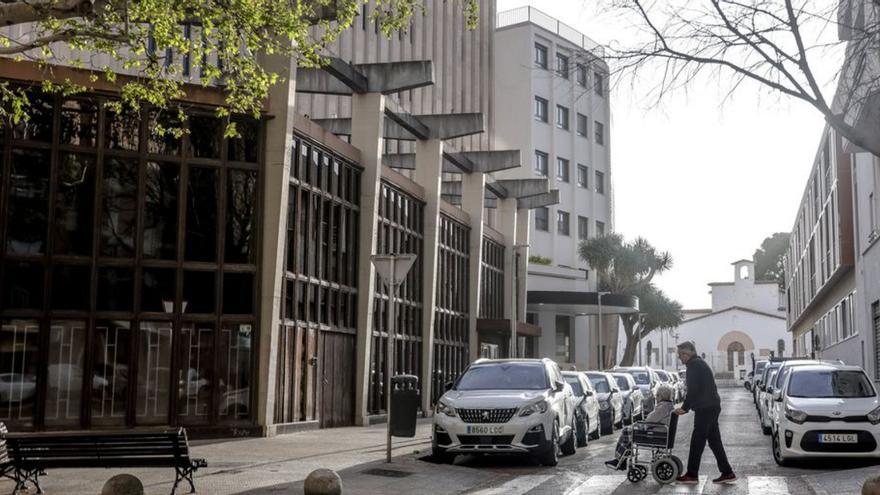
<point>736,355</point>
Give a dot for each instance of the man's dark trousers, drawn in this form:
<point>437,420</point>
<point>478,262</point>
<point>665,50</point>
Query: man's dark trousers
<point>706,429</point>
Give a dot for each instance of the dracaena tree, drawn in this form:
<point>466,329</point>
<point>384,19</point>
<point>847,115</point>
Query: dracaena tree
<point>223,40</point>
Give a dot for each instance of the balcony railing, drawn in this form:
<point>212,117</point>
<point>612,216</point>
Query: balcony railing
<point>538,18</point>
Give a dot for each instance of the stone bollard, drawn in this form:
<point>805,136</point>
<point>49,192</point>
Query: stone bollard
<point>323,482</point>
<point>123,484</point>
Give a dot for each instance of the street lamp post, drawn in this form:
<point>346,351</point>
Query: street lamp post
<point>639,336</point>
<point>601,353</point>
<point>514,298</point>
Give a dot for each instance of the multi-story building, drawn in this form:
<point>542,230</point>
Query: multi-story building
<point>552,102</point>
<point>820,279</point>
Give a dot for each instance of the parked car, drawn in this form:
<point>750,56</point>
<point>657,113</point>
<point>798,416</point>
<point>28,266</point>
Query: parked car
<point>506,406</point>
<point>678,385</point>
<point>756,378</point>
<point>610,401</point>
<point>759,384</point>
<point>647,380</point>
<point>632,397</point>
<point>828,410</point>
<point>766,396</point>
<point>586,407</point>
<point>773,409</point>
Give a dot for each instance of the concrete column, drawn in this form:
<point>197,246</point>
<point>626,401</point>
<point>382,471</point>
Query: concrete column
<point>522,275</point>
<point>367,124</point>
<point>279,145</point>
<point>507,226</point>
<point>428,174</point>
<point>473,199</point>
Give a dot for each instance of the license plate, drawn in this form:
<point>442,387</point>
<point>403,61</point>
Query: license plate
<point>485,430</point>
<point>838,438</point>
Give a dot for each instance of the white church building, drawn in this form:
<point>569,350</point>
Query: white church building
<point>747,318</point>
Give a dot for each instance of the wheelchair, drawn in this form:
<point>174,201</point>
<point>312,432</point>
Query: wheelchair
<point>651,448</point>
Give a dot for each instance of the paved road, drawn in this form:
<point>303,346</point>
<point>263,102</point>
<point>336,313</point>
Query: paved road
<point>747,448</point>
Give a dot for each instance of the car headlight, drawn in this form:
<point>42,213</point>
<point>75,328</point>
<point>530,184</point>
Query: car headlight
<point>538,407</point>
<point>603,405</point>
<point>795,415</point>
<point>446,409</point>
<point>874,416</point>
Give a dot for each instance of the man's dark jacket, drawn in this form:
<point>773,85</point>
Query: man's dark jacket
<point>701,390</point>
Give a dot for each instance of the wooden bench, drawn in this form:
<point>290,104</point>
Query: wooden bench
<point>32,454</point>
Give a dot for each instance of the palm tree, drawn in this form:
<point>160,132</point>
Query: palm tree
<point>628,268</point>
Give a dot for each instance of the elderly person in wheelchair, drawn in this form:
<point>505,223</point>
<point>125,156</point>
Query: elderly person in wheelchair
<point>656,435</point>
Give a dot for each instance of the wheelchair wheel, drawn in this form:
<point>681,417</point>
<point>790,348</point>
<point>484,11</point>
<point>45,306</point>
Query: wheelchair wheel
<point>664,470</point>
<point>678,463</point>
<point>636,473</point>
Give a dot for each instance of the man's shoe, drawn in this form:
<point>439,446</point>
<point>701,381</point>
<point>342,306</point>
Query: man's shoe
<point>687,480</point>
<point>725,478</point>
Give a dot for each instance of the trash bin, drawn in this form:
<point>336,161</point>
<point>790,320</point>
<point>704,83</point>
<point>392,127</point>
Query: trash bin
<point>405,401</point>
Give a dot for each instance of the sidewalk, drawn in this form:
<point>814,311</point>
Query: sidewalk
<point>279,465</point>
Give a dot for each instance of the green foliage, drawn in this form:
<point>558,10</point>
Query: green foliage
<point>540,260</point>
<point>769,258</point>
<point>224,41</point>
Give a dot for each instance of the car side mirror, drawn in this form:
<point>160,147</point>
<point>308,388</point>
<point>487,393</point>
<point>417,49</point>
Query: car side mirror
<point>588,393</point>
<point>448,386</point>
<point>777,395</point>
<point>559,387</point>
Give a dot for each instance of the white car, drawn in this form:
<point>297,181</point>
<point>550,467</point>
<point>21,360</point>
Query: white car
<point>765,396</point>
<point>826,410</point>
<point>632,397</point>
<point>610,401</point>
<point>647,380</point>
<point>586,407</point>
<point>678,382</point>
<point>506,406</point>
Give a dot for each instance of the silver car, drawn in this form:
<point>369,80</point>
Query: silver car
<point>632,397</point>
<point>587,409</point>
<point>610,401</point>
<point>647,380</point>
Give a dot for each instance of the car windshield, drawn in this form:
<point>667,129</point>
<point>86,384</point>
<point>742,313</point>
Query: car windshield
<point>600,383</point>
<point>504,376</point>
<point>575,385</point>
<point>771,375</point>
<point>641,377</point>
<point>622,382</point>
<point>760,368</point>
<point>823,384</point>
<point>663,376</point>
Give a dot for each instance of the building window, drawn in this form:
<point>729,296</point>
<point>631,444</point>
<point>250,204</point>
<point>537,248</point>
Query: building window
<point>562,169</point>
<point>600,229</point>
<point>600,182</point>
<point>540,109</point>
<point>583,176</point>
<point>563,339</point>
<point>583,228</point>
<point>562,222</point>
<point>541,163</point>
<point>582,124</point>
<point>540,55</point>
<point>562,65</point>
<point>542,219</point>
<point>561,117</point>
<point>582,75</point>
<point>600,132</point>
<point>599,83</point>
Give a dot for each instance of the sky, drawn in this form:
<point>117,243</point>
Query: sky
<point>700,177</point>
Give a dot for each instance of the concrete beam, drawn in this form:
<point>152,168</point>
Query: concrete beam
<point>408,127</point>
<point>521,188</point>
<point>491,161</point>
<point>496,189</point>
<point>342,127</point>
<point>341,78</point>
<point>453,125</point>
<point>541,200</point>
<point>407,161</point>
<point>412,125</point>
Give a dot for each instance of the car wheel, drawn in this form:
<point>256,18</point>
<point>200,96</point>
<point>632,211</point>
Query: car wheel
<point>570,447</point>
<point>551,456</point>
<point>765,429</point>
<point>441,456</point>
<point>583,432</point>
<point>596,434</point>
<point>777,453</point>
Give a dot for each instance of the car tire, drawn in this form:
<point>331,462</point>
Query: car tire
<point>765,430</point>
<point>777,453</point>
<point>569,447</point>
<point>583,432</point>
<point>598,433</point>
<point>441,456</point>
<point>551,456</point>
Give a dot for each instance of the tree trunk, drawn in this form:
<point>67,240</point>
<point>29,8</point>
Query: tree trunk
<point>629,352</point>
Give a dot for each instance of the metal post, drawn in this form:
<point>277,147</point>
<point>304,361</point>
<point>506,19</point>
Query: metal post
<point>512,353</point>
<point>639,336</point>
<point>601,354</point>
<point>389,360</point>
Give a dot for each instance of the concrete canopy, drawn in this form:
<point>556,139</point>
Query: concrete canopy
<point>521,188</point>
<point>341,78</point>
<point>462,162</point>
<point>580,303</point>
<point>541,200</point>
<point>406,127</point>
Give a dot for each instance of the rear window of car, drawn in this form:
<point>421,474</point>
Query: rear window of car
<point>663,376</point>
<point>830,384</point>
<point>575,385</point>
<point>622,382</point>
<point>600,383</point>
<point>641,377</point>
<point>504,376</point>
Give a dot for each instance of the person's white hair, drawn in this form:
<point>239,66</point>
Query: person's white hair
<point>664,392</point>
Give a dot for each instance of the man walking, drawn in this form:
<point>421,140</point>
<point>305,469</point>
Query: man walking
<point>702,398</point>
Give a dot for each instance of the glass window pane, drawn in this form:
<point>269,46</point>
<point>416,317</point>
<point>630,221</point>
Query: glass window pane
<point>79,123</point>
<point>110,372</point>
<point>27,218</point>
<point>158,291</point>
<point>235,371</point>
<point>204,136</point>
<point>163,125</point>
<point>70,287</point>
<point>199,292</point>
<point>74,204</point>
<point>201,215</point>
<point>196,374</point>
<point>22,285</point>
<point>122,130</point>
<point>244,148</point>
<point>161,190</point>
<point>119,207</point>
<point>19,361</point>
<point>67,347</point>
<point>38,126</point>
<point>115,289</point>
<point>241,221</point>
<point>238,293</point>
<point>154,368</point>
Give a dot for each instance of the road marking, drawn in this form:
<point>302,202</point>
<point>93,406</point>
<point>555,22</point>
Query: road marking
<point>677,488</point>
<point>768,485</point>
<point>516,486</point>
<point>598,485</point>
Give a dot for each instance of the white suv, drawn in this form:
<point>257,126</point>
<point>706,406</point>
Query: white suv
<point>826,410</point>
<point>509,406</point>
